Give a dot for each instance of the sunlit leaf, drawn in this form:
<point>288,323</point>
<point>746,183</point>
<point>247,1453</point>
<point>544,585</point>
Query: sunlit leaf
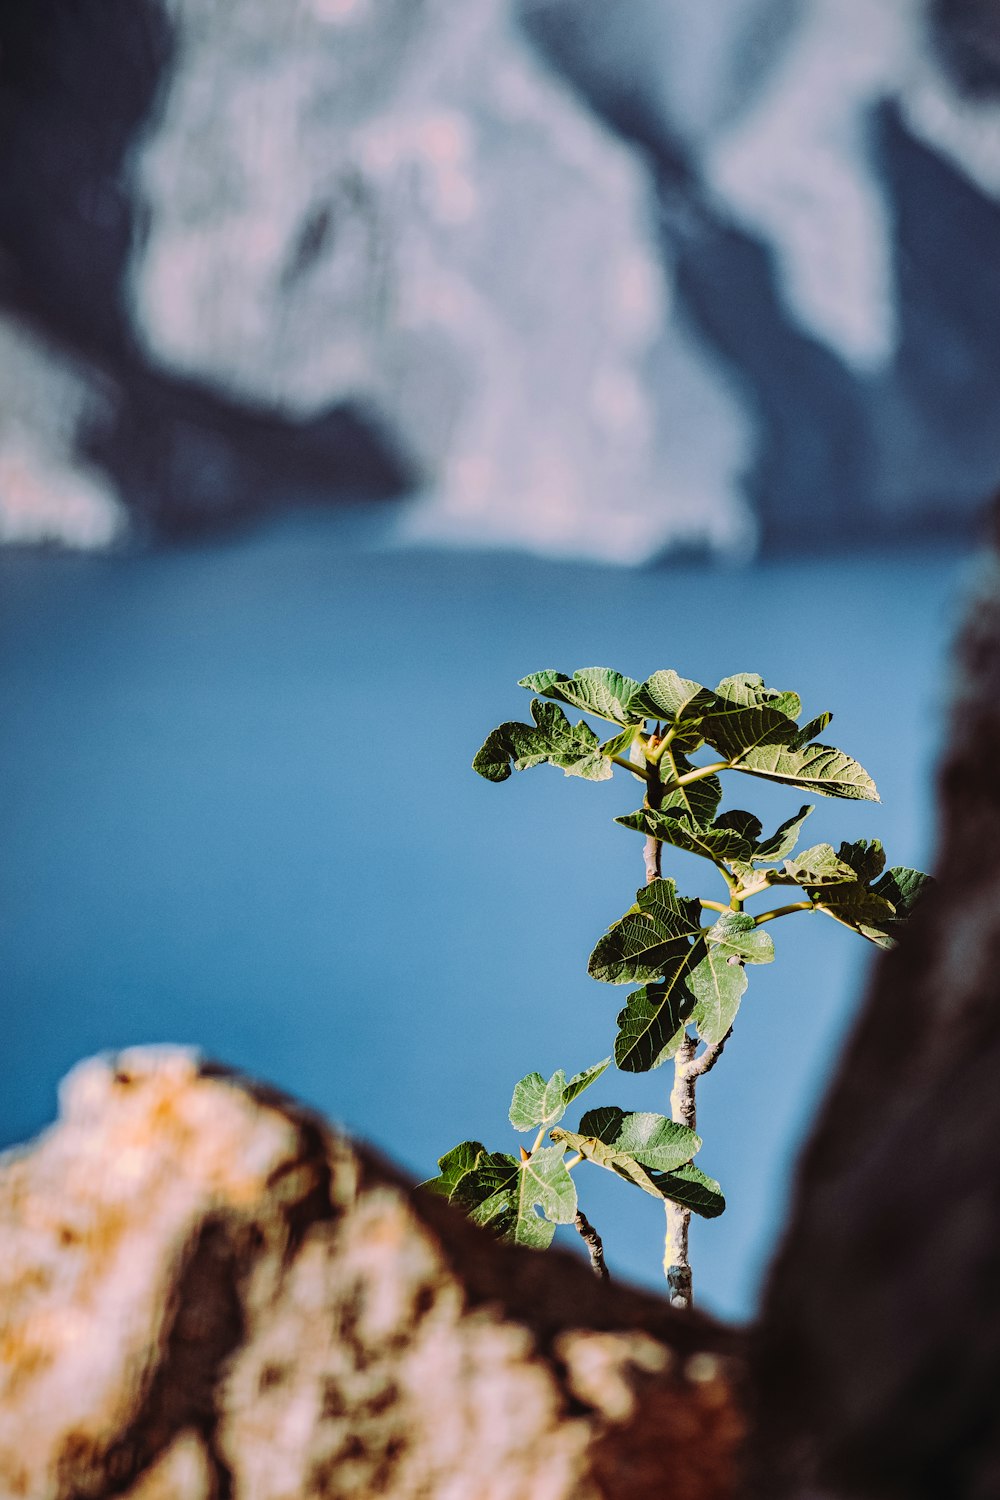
<point>552,738</point>
<point>596,690</point>
<point>819,866</point>
<point>718,982</point>
<point>737,935</point>
<point>677,829</point>
<point>453,1166</point>
<point>651,940</point>
<point>781,843</point>
<point>816,768</point>
<point>691,1188</point>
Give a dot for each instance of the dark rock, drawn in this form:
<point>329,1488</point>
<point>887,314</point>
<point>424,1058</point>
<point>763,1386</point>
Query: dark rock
<point>878,1358</point>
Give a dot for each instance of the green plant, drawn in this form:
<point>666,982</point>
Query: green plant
<point>691,976</point>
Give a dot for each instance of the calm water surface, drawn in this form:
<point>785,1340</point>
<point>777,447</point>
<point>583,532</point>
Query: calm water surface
<point>236,810</point>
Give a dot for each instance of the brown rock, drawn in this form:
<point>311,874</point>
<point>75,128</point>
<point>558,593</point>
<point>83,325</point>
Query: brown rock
<point>877,1367</point>
<point>207,1293</point>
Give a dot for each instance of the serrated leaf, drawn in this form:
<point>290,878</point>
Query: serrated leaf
<point>616,1141</point>
<point>453,1166</point>
<point>659,1144</point>
<point>736,731</point>
<point>718,983</point>
<point>596,690</point>
<point>856,906</point>
<point>673,701</point>
<point>747,690</point>
<point>866,857</point>
<point>620,744</point>
<point>816,768</point>
<point>819,866</point>
<point>903,887</point>
<point>651,940</point>
<point>583,1080</point>
<point>536,1102</point>
<point>690,1187</point>
<point>552,738</point>
<point>744,823</point>
<point>677,829</point>
<point>781,843</point>
<point>699,799</point>
<point>737,935</point>
<point>502,1194</point>
<point>809,731</point>
<point>651,1026</point>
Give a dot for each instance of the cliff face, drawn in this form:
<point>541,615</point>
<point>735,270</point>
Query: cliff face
<point>878,1359</point>
<point>594,281</point>
<point>205,1292</point>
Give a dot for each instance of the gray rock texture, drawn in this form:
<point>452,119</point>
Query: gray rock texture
<point>206,1292</point>
<point>878,1360</point>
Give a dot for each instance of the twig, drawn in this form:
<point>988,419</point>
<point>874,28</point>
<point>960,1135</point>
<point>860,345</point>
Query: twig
<point>595,1247</point>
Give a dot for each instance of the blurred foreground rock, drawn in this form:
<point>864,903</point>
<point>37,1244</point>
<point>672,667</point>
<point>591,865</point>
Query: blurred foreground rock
<point>206,1293</point>
<point>877,1368</point>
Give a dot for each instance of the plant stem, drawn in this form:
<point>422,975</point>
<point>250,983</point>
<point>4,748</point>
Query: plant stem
<point>592,1240</point>
<point>784,911</point>
<point>687,1070</point>
<point>629,765</point>
<point>652,848</point>
<point>714,906</point>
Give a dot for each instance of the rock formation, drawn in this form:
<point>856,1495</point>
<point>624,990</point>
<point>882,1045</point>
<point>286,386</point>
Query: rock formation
<point>383,248</point>
<point>878,1359</point>
<point>205,1292</point>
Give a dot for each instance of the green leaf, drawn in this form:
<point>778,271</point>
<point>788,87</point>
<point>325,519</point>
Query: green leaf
<point>856,906</point>
<point>581,1081</point>
<point>501,1193</point>
<point>718,983</point>
<point>677,829</point>
<point>819,866</point>
<point>690,1187</point>
<point>651,1026</point>
<point>699,799</point>
<point>627,1144</point>
<point>866,858</point>
<point>737,731</point>
<point>595,690</point>
<point>781,843</point>
<point>536,1103</point>
<point>552,738</point>
<point>453,1166</point>
<point>904,888</point>
<point>673,701</point>
<point>620,744</point>
<point>809,731</point>
<point>747,690</point>
<point>654,1141</point>
<point>737,935</point>
<point>816,768</point>
<point>650,940</point>
<point>744,823</point>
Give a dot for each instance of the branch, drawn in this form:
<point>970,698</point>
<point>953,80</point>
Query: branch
<point>699,1066</point>
<point>592,1240</point>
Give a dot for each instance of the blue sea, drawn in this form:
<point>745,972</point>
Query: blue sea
<point>237,810</point>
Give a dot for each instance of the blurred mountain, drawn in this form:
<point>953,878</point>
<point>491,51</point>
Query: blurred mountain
<point>589,280</point>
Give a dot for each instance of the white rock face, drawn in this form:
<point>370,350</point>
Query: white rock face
<point>47,495</point>
<point>394,204</point>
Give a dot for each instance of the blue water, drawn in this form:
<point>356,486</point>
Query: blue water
<point>236,810</point>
